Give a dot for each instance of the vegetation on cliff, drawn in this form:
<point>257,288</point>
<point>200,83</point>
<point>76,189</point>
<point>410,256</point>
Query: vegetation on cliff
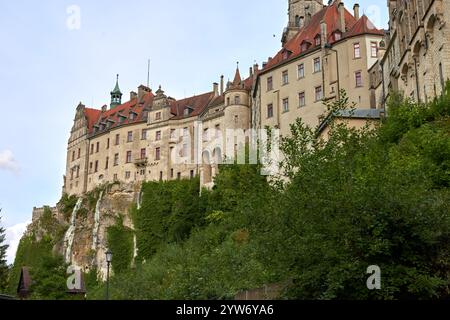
<point>365,197</point>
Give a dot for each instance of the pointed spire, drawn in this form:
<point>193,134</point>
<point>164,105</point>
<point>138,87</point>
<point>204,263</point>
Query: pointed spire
<point>116,88</point>
<point>116,95</point>
<point>237,78</point>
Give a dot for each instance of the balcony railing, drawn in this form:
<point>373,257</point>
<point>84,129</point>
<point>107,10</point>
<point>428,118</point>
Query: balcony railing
<point>141,162</point>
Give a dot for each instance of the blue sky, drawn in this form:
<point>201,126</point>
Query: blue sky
<point>46,69</point>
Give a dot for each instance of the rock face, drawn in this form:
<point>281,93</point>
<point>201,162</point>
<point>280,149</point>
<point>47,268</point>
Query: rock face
<point>85,241</point>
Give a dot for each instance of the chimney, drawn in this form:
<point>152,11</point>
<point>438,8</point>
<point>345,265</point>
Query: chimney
<point>341,10</point>
<point>216,89</point>
<point>324,33</point>
<point>356,11</point>
<point>221,85</point>
<point>105,108</point>
<point>142,90</point>
<point>251,72</point>
<point>133,95</point>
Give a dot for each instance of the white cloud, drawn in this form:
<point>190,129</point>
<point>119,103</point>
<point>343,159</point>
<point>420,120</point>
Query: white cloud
<point>13,236</point>
<point>7,161</point>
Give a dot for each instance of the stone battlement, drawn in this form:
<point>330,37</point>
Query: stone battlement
<point>39,212</point>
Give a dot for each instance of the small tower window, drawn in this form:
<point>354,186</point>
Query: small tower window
<point>297,21</point>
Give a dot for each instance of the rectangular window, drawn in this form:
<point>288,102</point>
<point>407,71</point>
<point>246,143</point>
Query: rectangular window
<point>96,166</point>
<point>318,41</point>
<point>301,99</point>
<point>269,83</point>
<point>128,160</point>
<point>173,134</point>
<point>73,155</point>
<point>158,154</point>
<point>179,175</point>
<point>356,50</point>
<point>317,65</point>
<point>270,111</point>
<point>117,139</point>
<point>78,171</point>
<point>92,148</point>
<point>301,71</point>
<point>441,75</point>
<point>116,159</point>
<point>127,175</point>
<point>158,116</point>
<point>358,79</point>
<point>115,177</point>
<point>144,134</point>
<point>143,153</point>
<point>285,77</point>
<point>205,134</point>
<point>319,94</point>
<point>98,147</point>
<point>185,132</point>
<point>171,173</point>
<point>71,174</point>
<point>237,100</point>
<point>107,163</point>
<point>79,153</point>
<point>373,49</point>
<point>90,167</point>
<point>286,105</point>
<point>160,176</point>
<point>158,136</point>
<point>192,174</point>
<point>130,136</point>
<point>107,144</point>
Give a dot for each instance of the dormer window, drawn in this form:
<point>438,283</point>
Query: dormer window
<point>132,115</point>
<point>317,40</point>
<point>337,36</point>
<point>305,46</point>
<point>286,54</point>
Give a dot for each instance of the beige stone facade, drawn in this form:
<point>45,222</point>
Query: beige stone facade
<point>155,137</point>
<point>417,59</point>
<point>325,49</point>
<point>332,51</point>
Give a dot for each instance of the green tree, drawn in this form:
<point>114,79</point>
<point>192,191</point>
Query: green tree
<point>4,269</point>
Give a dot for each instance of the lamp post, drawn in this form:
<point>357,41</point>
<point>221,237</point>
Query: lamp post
<point>330,47</point>
<point>108,262</point>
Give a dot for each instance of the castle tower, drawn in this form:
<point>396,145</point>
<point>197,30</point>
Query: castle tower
<point>300,13</point>
<point>116,95</point>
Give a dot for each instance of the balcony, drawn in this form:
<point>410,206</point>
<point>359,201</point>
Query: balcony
<point>141,162</point>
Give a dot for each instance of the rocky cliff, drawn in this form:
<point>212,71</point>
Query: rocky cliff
<point>82,224</point>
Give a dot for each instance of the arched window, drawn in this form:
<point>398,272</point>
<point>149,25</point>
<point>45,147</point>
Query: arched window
<point>297,21</point>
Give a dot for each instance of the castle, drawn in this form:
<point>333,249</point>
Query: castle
<point>325,49</point>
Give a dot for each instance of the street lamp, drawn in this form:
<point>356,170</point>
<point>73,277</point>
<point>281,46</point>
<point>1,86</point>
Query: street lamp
<point>108,262</point>
<point>328,46</point>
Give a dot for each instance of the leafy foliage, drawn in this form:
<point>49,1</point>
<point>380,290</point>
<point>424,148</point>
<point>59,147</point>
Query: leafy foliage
<point>120,241</point>
<point>4,269</point>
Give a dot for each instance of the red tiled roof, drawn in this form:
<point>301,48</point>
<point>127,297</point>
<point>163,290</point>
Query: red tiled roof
<point>330,15</point>
<point>196,103</point>
<point>363,26</point>
<point>96,117</point>
<point>91,116</point>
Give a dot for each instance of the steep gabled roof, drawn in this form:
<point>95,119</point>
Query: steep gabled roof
<point>363,26</point>
<point>330,15</point>
<point>134,106</point>
<point>196,103</point>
